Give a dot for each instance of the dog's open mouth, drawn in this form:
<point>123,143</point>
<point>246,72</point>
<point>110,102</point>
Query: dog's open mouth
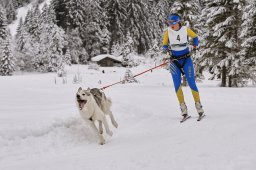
<point>81,103</point>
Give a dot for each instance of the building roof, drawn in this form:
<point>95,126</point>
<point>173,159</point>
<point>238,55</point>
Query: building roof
<point>103,56</point>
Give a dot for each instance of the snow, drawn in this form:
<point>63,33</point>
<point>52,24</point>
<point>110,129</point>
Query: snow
<point>40,127</point>
<point>102,56</point>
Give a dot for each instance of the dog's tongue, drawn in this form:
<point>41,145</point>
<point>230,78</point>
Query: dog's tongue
<point>81,104</point>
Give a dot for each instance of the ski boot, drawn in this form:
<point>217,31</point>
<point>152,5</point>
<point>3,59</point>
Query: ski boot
<point>184,112</point>
<point>200,110</point>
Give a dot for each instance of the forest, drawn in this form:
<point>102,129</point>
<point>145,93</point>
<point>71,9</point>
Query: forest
<point>67,32</point>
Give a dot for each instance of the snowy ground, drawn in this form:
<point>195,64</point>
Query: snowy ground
<point>40,128</point>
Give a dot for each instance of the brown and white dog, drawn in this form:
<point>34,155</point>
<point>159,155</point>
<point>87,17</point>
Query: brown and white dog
<point>93,105</point>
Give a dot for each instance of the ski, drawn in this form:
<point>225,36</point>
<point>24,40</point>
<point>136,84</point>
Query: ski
<point>184,119</point>
<point>201,117</point>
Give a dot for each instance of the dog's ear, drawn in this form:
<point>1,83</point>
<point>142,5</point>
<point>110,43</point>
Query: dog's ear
<point>88,89</point>
<point>80,88</point>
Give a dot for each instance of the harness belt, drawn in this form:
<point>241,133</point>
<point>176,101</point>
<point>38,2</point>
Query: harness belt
<point>175,60</point>
<point>180,45</point>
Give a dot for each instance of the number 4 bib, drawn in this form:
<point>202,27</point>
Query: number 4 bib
<point>177,38</point>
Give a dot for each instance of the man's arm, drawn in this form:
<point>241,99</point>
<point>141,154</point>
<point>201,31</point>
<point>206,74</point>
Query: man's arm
<point>165,40</point>
<point>193,35</point>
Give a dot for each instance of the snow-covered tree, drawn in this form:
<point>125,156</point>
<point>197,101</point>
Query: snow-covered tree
<point>248,36</point>
<point>67,57</point>
<point>75,45</point>
<point>61,9</point>
<point>129,78</point>
<point>10,11</point>
<point>128,47</point>
<point>158,11</point>
<point>3,24</point>
<point>6,59</point>
<point>116,13</point>
<point>223,44</point>
<point>50,55</point>
<point>155,51</point>
<point>189,10</point>
<point>104,40</point>
<point>139,26</point>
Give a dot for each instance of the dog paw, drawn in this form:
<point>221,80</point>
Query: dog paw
<point>110,133</point>
<point>102,142</point>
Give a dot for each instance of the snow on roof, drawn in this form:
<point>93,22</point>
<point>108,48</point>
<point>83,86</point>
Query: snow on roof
<point>102,56</point>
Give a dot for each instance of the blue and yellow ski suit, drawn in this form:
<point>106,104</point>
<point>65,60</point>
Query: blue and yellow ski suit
<point>173,38</point>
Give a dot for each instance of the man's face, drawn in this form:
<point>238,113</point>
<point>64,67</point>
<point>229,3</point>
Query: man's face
<point>174,25</point>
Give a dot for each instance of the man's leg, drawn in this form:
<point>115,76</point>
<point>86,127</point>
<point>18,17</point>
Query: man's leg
<point>176,77</point>
<point>190,75</point>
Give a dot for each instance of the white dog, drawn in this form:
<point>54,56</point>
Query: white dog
<point>93,105</point>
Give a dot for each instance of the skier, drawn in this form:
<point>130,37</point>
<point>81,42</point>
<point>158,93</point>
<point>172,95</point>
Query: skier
<point>175,42</point>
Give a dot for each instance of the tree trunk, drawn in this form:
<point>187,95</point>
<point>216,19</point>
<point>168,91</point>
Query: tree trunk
<point>229,81</point>
<point>223,76</point>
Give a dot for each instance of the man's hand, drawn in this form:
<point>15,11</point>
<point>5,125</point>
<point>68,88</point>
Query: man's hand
<point>195,48</point>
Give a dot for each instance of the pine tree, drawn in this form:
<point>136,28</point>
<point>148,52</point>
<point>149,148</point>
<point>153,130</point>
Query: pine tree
<point>50,55</point>
<point>67,57</point>
<point>128,47</point>
<point>10,11</point>
<point>95,34</point>
<point>75,44</point>
<point>34,27</point>
<point>116,13</point>
<point>128,77</point>
<point>6,59</point>
<point>248,36</point>
<point>139,26</point>
<point>3,24</point>
<point>223,44</point>
<point>104,40</point>
<point>158,11</point>
<point>61,9</point>
<point>154,52</point>
<point>188,10</point>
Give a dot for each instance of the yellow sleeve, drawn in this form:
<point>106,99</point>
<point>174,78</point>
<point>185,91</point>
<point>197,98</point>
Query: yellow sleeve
<point>166,38</point>
<point>191,33</point>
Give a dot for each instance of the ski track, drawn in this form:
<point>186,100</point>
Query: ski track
<point>40,128</point>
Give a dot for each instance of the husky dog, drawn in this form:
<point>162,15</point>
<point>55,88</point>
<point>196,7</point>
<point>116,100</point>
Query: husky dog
<point>93,105</point>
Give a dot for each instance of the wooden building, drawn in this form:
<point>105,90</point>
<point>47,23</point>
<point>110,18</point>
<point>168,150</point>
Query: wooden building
<point>107,60</point>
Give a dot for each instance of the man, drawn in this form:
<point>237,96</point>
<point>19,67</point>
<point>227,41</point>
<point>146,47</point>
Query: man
<point>175,41</point>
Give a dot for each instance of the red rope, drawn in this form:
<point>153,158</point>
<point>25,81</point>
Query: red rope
<point>166,62</point>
